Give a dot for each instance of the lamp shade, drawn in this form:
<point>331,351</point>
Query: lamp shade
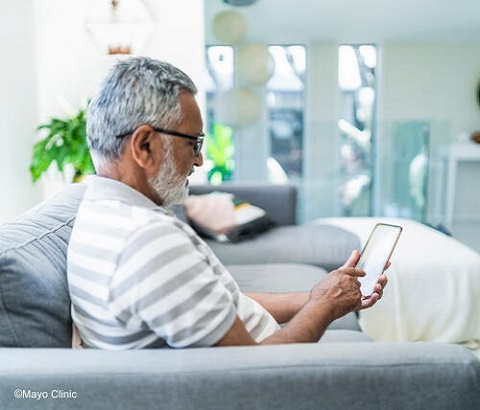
<point>229,27</point>
<point>238,107</point>
<point>254,64</point>
<point>119,26</point>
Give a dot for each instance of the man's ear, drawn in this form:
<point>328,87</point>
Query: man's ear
<point>144,146</point>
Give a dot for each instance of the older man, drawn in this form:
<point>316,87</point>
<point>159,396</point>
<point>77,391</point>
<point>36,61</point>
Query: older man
<point>138,277</point>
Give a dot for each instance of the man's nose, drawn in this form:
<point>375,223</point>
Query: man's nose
<point>198,160</point>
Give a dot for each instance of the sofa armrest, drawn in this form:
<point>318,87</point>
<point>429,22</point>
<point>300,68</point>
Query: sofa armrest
<point>279,201</point>
<point>300,376</point>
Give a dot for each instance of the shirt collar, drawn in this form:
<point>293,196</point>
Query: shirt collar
<point>101,188</point>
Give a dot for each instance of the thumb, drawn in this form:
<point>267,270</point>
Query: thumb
<point>352,260</point>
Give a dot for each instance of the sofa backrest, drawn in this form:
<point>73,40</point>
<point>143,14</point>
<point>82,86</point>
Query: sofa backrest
<point>34,300</point>
<point>279,201</point>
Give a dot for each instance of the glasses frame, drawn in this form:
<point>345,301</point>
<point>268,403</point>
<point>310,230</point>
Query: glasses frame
<point>197,138</point>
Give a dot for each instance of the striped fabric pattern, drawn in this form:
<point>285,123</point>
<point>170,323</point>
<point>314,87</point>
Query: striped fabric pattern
<point>138,277</point>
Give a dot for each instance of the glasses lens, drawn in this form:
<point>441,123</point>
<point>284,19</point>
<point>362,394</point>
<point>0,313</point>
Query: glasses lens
<point>198,146</point>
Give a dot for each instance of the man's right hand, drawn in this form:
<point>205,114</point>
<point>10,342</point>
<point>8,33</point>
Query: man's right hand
<point>340,291</point>
<point>330,299</point>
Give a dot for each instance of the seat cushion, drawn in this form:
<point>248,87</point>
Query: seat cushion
<point>287,277</point>
<point>34,300</point>
<point>338,335</point>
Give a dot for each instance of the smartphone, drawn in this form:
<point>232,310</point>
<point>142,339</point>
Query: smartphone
<point>376,254</point>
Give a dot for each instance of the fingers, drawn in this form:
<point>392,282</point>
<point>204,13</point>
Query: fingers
<point>349,265</point>
<point>382,281</point>
<point>355,272</point>
<point>341,290</point>
<point>377,293</point>
<point>352,260</point>
<point>370,301</point>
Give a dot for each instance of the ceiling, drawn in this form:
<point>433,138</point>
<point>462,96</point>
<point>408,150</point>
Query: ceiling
<point>357,21</point>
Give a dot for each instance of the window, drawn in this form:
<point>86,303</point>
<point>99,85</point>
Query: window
<point>219,144</point>
<point>357,82</point>
<point>286,104</point>
<point>283,98</point>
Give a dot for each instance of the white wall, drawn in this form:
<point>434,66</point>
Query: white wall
<point>70,67</point>
<point>321,145</point>
<point>432,81</point>
<point>18,105</point>
<point>50,64</point>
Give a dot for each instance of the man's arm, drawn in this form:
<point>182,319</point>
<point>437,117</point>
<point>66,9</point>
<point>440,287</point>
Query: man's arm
<point>333,297</point>
<point>282,306</point>
<point>309,314</point>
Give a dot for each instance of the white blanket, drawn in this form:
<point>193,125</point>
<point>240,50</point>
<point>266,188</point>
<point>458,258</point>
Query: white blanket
<point>433,293</point>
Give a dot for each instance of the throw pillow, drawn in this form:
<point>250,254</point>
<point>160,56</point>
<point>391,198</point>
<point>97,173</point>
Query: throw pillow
<point>34,299</point>
<point>225,218</point>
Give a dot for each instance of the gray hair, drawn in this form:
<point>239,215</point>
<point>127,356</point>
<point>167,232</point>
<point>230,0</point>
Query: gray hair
<point>137,91</point>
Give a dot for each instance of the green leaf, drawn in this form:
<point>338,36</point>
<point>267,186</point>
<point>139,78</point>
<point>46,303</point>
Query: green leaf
<point>220,151</point>
<point>64,143</point>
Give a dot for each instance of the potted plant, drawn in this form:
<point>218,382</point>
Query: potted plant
<point>65,144</point>
<point>220,153</point>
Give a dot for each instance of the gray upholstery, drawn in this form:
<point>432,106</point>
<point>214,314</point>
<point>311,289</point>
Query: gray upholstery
<point>316,244</point>
<point>286,277</point>
<point>351,376</point>
<point>276,277</point>
<point>34,311</point>
<point>34,301</point>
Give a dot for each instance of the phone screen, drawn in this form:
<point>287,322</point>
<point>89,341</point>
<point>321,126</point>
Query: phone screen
<point>376,253</point>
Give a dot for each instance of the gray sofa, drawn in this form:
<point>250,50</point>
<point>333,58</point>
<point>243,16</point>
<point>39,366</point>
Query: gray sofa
<point>38,369</point>
<point>288,242</point>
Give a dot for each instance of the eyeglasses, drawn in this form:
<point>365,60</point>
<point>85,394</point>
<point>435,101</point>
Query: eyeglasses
<point>197,147</point>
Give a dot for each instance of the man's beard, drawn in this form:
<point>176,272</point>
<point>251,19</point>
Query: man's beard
<point>170,187</point>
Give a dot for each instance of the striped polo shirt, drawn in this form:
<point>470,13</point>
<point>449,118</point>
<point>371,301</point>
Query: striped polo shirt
<point>138,277</point>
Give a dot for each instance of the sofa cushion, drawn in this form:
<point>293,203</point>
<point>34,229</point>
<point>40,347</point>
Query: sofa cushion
<point>34,300</point>
<point>299,376</point>
<point>316,244</point>
<point>288,277</point>
<point>225,218</point>
<point>278,201</point>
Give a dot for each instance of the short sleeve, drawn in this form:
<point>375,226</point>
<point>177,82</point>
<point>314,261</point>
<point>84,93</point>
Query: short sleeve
<point>165,283</point>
